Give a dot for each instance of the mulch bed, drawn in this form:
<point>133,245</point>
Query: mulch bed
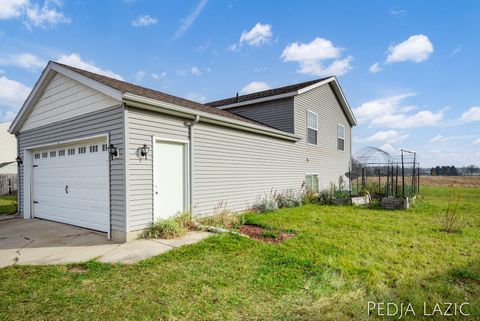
<point>265,235</point>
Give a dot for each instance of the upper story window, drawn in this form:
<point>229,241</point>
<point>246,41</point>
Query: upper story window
<point>340,137</point>
<point>312,127</point>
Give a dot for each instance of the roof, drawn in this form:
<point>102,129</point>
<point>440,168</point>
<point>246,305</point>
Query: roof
<point>265,93</point>
<point>126,87</point>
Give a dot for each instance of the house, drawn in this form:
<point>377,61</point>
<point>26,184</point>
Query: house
<point>8,150</point>
<point>112,156</point>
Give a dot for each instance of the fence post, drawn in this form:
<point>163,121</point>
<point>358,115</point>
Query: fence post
<point>403,178</point>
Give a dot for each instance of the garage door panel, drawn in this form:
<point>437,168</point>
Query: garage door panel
<point>86,201</point>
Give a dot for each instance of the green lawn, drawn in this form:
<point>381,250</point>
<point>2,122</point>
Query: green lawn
<point>8,204</point>
<point>341,258</point>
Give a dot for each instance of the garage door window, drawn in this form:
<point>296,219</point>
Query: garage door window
<point>37,156</point>
<point>53,154</point>
<point>93,148</point>
<point>104,147</point>
<point>44,155</point>
<point>61,152</point>
<point>82,150</point>
<point>71,151</point>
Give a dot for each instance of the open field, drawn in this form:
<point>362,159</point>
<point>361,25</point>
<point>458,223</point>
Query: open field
<point>461,181</point>
<point>8,205</point>
<point>340,258</point>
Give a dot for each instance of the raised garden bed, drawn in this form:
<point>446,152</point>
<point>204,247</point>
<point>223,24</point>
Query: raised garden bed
<point>265,234</point>
<point>394,203</point>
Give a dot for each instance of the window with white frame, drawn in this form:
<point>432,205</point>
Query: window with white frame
<point>340,137</point>
<point>311,182</point>
<point>82,150</point>
<point>61,152</point>
<point>93,148</point>
<point>312,127</point>
<point>71,151</point>
<point>53,153</point>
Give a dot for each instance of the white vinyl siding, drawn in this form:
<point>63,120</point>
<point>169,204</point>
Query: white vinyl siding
<point>65,98</point>
<point>312,127</point>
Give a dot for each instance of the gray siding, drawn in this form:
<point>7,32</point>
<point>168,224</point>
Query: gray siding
<point>277,114</point>
<point>324,158</point>
<point>234,167</point>
<point>142,125</point>
<point>107,121</point>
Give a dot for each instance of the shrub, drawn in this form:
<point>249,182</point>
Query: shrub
<point>287,199</point>
<point>265,204</point>
<point>224,218</point>
<point>452,221</point>
<point>309,197</point>
<point>185,220</point>
<point>166,229</point>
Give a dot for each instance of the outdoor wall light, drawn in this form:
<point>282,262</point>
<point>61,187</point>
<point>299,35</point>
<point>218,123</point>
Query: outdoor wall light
<point>144,151</point>
<point>19,160</point>
<point>113,151</point>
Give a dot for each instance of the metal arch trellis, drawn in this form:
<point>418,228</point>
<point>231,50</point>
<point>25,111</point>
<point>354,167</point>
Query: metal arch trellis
<point>376,171</point>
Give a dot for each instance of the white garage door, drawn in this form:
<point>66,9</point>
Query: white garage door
<point>71,184</point>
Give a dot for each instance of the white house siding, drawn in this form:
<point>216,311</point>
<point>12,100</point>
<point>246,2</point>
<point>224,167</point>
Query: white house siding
<point>235,167</point>
<point>8,150</point>
<point>106,121</point>
<point>324,158</point>
<point>141,126</point>
<point>65,98</point>
<point>277,113</point>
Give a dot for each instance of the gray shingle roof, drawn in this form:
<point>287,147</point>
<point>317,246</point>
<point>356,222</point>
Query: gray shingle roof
<point>264,94</point>
<point>126,87</point>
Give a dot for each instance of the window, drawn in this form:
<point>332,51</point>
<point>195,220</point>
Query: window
<point>53,154</point>
<point>311,182</point>
<point>71,151</point>
<point>61,152</point>
<point>312,127</point>
<point>82,150</point>
<point>44,154</point>
<point>37,156</point>
<point>104,147</point>
<point>340,137</point>
<point>93,148</point>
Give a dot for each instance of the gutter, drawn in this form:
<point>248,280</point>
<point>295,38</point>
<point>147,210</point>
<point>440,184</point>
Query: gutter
<point>172,109</point>
<point>190,125</point>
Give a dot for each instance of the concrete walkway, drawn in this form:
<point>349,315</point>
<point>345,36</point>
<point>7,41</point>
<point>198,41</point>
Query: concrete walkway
<point>40,242</point>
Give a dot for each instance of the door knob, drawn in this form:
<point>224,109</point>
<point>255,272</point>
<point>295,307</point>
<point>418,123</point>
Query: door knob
<point>66,189</point>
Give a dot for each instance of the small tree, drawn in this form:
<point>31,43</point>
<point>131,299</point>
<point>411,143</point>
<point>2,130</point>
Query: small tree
<point>472,169</point>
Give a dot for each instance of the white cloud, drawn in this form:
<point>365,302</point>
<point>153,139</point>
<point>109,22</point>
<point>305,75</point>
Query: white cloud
<point>436,138</point>
<point>23,60</point>
<point>388,112</point>
<point>254,86</point>
<point>457,50</point>
<point>312,57</point>
<point>389,136</point>
<point>32,14</point>
<point>476,142</point>
<point>375,68</point>
<point>139,75</point>
<point>196,97</point>
<point>75,60</point>
<point>188,21</point>
<point>399,12</point>
<point>144,20</point>
<point>417,48</point>
<point>195,71</point>
<point>12,96</point>
<point>12,8</point>
<point>472,114</point>
<point>159,76</point>
<point>258,35</point>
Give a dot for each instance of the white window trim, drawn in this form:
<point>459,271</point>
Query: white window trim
<point>344,132</point>
<point>318,179</point>
<point>315,129</point>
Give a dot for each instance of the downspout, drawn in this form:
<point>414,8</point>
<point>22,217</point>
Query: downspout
<point>18,179</point>
<point>190,160</point>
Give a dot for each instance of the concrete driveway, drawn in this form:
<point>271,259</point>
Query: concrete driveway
<point>43,242</point>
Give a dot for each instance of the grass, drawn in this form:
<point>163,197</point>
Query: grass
<point>8,205</point>
<point>341,258</point>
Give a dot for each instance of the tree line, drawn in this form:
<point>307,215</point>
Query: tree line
<point>453,171</point>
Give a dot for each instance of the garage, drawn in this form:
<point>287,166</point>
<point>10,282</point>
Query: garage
<point>70,184</point>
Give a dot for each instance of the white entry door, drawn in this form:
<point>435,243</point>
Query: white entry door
<point>71,184</point>
<point>170,178</point>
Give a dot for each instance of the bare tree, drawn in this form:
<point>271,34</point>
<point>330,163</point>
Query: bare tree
<point>472,169</point>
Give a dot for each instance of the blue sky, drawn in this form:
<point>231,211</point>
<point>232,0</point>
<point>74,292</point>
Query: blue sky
<point>409,69</point>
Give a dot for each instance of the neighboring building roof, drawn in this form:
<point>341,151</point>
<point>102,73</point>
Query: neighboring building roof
<point>265,93</point>
<point>126,87</point>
